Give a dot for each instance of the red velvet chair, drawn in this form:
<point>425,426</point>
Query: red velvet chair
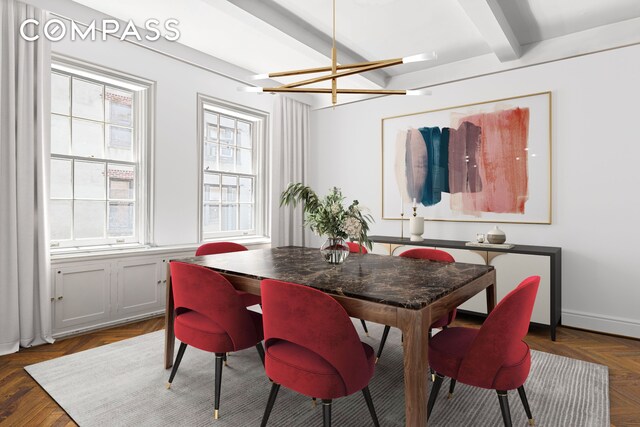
<point>214,248</point>
<point>312,347</point>
<point>211,316</point>
<point>493,357</point>
<point>431,255</point>
<point>358,248</point>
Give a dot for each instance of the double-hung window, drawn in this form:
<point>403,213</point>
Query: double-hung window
<point>99,132</point>
<point>233,171</point>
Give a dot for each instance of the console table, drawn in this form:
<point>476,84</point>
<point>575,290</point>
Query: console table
<point>549,295</point>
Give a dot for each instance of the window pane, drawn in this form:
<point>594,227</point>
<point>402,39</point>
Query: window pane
<point>211,218</point>
<point>119,143</point>
<point>121,219</point>
<point>87,100</point>
<point>229,188</point>
<point>211,187</point>
<point>244,161</point>
<point>119,106</point>
<point>210,126</point>
<point>87,139</point>
<point>210,156</point>
<point>60,94</point>
<point>246,190</point>
<point>88,180</point>
<point>61,182</point>
<point>60,134</point>
<point>88,219</point>
<point>121,182</point>
<point>227,130</point>
<point>229,217</point>
<point>60,216</point>
<point>246,217</point>
<point>244,134</point>
<point>227,158</point>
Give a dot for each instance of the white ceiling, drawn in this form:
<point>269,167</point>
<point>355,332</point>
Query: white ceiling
<point>276,35</point>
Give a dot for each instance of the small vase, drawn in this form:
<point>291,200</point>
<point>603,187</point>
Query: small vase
<point>334,250</point>
<point>496,236</point>
<point>416,227</point>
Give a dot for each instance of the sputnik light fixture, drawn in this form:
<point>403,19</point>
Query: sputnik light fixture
<point>339,70</point>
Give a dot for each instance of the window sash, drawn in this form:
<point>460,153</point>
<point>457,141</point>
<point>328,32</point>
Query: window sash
<point>137,195</point>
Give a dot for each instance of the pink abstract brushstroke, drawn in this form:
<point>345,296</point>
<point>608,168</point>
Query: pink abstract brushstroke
<point>464,147</point>
<point>502,163</point>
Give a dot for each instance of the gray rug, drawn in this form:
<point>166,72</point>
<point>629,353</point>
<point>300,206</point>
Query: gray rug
<point>123,384</point>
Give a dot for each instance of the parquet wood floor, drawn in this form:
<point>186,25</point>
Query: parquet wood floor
<point>24,403</point>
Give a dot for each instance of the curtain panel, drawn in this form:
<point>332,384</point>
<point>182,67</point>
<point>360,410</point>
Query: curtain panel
<point>291,136</point>
<point>25,282</point>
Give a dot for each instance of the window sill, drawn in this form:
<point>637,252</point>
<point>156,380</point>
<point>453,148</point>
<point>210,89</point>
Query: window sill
<point>104,252</point>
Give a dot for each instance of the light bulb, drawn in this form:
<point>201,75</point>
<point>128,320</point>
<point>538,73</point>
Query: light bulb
<point>427,56</point>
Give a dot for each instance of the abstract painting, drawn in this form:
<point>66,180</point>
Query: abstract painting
<point>485,162</point>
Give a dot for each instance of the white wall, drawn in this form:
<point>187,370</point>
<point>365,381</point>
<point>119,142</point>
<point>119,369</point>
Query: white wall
<point>176,147</point>
<point>594,172</point>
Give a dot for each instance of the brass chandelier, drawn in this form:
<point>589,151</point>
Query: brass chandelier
<point>339,70</point>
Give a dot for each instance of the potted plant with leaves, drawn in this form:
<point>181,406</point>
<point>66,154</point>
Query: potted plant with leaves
<point>329,217</point>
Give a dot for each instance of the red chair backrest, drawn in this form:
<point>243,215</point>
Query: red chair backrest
<point>213,248</point>
<point>356,247</point>
<point>208,293</point>
<point>430,254</point>
<point>501,334</point>
<point>312,319</point>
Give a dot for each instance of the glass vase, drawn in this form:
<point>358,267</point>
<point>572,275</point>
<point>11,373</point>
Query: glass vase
<point>334,250</point>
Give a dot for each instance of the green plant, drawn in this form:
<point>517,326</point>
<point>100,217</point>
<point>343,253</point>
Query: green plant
<point>328,216</point>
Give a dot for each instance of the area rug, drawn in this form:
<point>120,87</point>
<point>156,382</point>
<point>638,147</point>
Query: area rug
<point>123,384</point>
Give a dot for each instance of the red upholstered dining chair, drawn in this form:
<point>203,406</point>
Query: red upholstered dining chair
<point>431,255</point>
<point>495,356</point>
<point>211,316</point>
<point>358,248</point>
<point>312,347</point>
<point>214,248</point>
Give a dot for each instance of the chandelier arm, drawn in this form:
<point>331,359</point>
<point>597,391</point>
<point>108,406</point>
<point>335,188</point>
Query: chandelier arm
<point>323,69</point>
<point>349,72</point>
<point>327,90</point>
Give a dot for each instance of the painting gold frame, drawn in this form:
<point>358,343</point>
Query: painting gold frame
<point>539,203</point>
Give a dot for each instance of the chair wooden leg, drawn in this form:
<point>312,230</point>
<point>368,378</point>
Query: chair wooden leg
<point>452,385</point>
<point>372,410</point>
<point>383,340</point>
<point>504,407</point>
<point>260,349</point>
<point>364,326</point>
<point>434,393</point>
<point>181,350</point>
<point>272,399</point>
<point>216,406</point>
<point>525,403</point>
<point>326,412</point>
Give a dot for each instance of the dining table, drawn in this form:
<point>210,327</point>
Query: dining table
<point>409,294</point>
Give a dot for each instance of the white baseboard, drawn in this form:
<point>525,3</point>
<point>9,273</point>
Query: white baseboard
<point>600,323</point>
<point>108,324</point>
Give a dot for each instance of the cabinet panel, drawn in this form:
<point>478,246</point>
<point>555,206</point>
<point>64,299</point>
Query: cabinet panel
<point>511,269</point>
<point>139,286</point>
<point>81,295</point>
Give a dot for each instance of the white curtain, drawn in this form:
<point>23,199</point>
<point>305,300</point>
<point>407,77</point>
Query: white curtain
<point>290,150</point>
<point>25,308</point>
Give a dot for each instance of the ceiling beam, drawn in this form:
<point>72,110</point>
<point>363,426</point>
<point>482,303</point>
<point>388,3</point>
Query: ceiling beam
<point>290,24</point>
<point>488,17</point>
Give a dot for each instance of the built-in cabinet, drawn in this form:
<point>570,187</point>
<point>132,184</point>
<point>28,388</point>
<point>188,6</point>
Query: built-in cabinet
<point>90,294</point>
<point>512,266</point>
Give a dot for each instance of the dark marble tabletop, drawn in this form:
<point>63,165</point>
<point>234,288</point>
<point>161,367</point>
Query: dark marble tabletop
<point>402,282</point>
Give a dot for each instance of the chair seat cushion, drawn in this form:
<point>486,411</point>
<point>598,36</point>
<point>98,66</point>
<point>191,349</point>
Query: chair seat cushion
<point>199,331</point>
<point>249,299</point>
<point>308,373</point>
<point>445,320</point>
<point>448,348</point>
